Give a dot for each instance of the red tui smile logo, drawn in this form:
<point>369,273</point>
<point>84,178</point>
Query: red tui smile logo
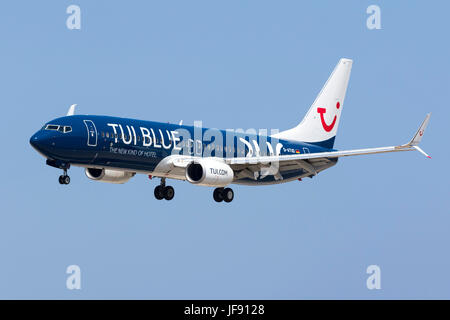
<point>325,126</point>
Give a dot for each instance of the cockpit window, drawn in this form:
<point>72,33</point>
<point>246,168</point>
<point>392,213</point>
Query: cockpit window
<point>52,127</point>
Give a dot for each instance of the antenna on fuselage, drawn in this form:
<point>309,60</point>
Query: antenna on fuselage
<point>181,123</point>
<point>71,111</point>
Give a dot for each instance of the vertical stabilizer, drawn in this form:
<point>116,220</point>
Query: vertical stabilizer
<point>320,124</point>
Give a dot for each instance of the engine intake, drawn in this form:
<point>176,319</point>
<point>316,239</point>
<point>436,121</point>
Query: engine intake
<point>209,172</point>
<point>108,175</point>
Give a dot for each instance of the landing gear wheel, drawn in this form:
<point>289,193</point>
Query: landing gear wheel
<point>228,195</point>
<point>169,193</point>
<point>218,194</point>
<point>64,179</point>
<point>159,194</point>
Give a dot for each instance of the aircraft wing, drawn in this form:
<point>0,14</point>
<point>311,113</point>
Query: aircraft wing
<point>261,166</point>
<point>315,162</point>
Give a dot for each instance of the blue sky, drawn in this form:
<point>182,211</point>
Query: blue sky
<point>231,64</point>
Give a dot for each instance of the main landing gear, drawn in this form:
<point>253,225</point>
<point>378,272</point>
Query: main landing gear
<point>64,179</point>
<point>223,194</point>
<point>164,192</point>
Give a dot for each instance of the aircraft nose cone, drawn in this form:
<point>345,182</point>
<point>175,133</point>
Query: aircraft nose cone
<point>35,141</point>
<point>39,142</point>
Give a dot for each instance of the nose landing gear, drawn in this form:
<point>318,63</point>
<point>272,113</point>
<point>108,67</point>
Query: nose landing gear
<point>164,192</point>
<point>64,179</point>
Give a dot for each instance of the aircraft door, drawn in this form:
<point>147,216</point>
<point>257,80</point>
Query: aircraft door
<point>92,133</point>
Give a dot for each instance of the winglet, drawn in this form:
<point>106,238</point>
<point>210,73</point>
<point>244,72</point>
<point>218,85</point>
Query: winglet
<point>418,137</point>
<point>71,111</point>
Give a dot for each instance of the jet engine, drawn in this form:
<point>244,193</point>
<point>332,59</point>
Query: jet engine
<point>108,175</point>
<point>209,172</point>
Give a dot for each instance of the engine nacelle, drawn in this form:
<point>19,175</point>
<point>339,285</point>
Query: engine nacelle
<point>108,175</point>
<point>209,172</point>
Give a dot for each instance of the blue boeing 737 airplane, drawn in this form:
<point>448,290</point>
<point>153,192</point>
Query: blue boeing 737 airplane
<point>115,149</point>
